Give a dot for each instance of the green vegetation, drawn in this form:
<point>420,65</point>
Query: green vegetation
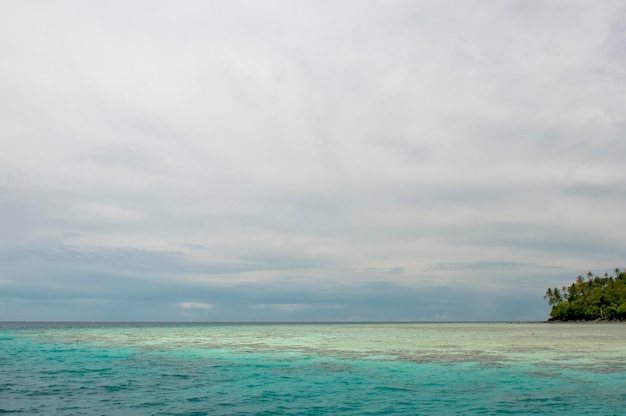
<point>590,299</point>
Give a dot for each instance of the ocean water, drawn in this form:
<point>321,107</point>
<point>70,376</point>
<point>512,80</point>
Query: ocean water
<point>312,369</point>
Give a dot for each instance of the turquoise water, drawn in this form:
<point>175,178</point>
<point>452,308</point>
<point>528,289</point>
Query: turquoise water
<point>312,369</point>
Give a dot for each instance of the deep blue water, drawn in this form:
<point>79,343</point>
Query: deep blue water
<point>132,369</point>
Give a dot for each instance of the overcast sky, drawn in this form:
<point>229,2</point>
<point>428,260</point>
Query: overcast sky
<point>308,160</point>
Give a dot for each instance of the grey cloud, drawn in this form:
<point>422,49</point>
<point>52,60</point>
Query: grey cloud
<point>483,265</point>
<point>410,149</point>
<point>118,155</point>
<point>192,246</point>
<point>609,191</point>
<point>133,262</point>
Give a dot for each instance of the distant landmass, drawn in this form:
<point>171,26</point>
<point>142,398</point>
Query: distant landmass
<point>590,299</point>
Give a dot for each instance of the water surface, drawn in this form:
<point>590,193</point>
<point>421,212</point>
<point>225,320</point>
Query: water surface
<point>345,369</point>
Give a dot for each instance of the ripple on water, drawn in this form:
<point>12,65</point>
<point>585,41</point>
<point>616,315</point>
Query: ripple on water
<point>334,369</point>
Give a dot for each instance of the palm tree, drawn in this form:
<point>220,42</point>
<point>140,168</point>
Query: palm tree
<point>549,296</point>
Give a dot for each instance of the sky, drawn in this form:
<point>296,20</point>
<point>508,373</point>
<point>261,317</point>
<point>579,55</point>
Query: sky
<point>308,160</point>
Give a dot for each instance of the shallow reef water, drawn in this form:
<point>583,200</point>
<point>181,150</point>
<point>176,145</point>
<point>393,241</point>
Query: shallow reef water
<point>312,369</point>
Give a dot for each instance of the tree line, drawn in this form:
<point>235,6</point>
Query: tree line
<point>593,298</point>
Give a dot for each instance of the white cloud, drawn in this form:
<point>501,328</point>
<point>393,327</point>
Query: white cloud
<point>196,305</point>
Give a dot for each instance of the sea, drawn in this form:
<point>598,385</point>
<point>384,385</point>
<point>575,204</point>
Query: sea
<point>49,368</point>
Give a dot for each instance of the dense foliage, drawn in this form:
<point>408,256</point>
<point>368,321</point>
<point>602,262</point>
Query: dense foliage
<point>590,299</point>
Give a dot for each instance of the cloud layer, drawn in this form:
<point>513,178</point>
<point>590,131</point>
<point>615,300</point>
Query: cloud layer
<point>308,160</point>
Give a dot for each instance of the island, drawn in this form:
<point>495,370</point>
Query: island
<point>591,299</point>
